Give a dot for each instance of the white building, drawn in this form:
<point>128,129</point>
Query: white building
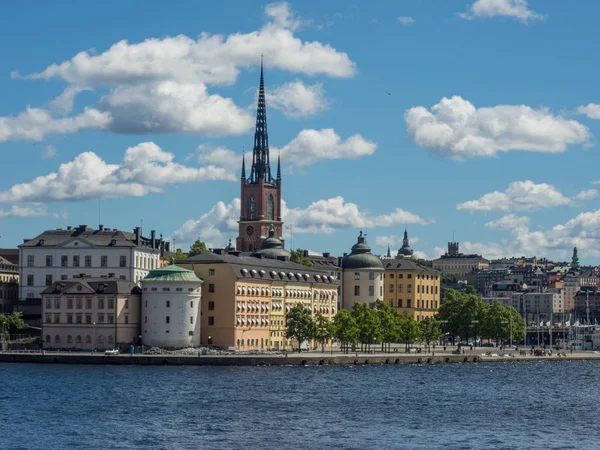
<point>455,263</point>
<point>542,306</point>
<point>362,275</point>
<point>58,255</point>
<point>171,308</point>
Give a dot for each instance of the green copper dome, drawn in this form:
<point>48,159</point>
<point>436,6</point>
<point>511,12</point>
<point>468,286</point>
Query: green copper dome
<point>361,256</point>
<point>272,247</point>
<point>172,273</point>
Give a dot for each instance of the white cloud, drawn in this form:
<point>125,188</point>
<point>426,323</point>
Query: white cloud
<point>34,124</point>
<point>169,107</point>
<point>145,168</point>
<point>218,156</point>
<point>23,211</point>
<point>514,9</point>
<point>311,146</point>
<point>592,110</point>
<point>509,222</point>
<point>62,215</point>
<point>456,128</point>
<point>405,20</point>
<point>524,196</point>
<point>392,240</point>
<point>49,152</point>
<point>296,99</point>
<point>63,104</point>
<point>322,216</point>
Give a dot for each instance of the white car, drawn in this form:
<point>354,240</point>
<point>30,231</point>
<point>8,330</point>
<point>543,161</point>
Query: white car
<point>112,352</point>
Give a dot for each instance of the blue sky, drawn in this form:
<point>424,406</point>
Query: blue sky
<point>477,119</point>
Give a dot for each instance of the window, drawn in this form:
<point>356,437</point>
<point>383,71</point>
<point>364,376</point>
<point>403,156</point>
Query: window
<point>122,277</point>
<point>127,304</point>
<point>78,318</point>
<point>409,288</point>
<point>57,303</point>
<point>75,260</point>
<point>427,289</point>
<point>211,288</point>
<point>191,303</point>
<point>48,260</point>
<point>63,277</point>
<point>409,275</point>
<point>64,261</point>
<point>211,272</point>
<point>356,290</point>
<point>29,280</point>
<point>88,318</point>
<point>399,303</point>
<point>110,318</point>
<point>409,303</point>
<point>168,304</point>
<point>100,303</point>
<point>418,289</point>
<point>88,261</point>
<point>48,280</point>
<point>69,318</point>
<point>168,319</point>
<point>126,319</point>
<point>371,276</point>
<point>88,303</point>
<point>252,207</point>
<point>391,288</point>
<point>371,291</point>
<point>400,288</point>
<point>211,306</point>
<point>145,319</point>
<point>111,303</point>
<point>103,261</point>
<point>381,291</point>
<point>57,339</point>
<point>57,318</point>
<point>69,302</point>
<point>270,207</point>
<point>418,304</point>
<point>400,275</point>
<point>100,318</point>
<point>192,320</point>
<point>211,320</point>
<point>357,275</point>
<point>88,339</point>
<point>123,261</point>
<point>391,275</point>
<point>78,302</point>
<point>48,303</point>
<point>48,318</point>
<point>78,339</point>
<point>29,260</point>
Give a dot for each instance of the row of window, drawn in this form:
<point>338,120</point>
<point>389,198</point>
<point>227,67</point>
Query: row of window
<point>425,304</point>
<point>100,318</point>
<point>252,207</point>
<point>168,320</point>
<point>76,261</point>
<point>78,339</point>
<point>146,262</point>
<point>420,289</point>
<point>409,275</point>
<point>49,279</point>
<point>166,289</point>
<point>168,304</point>
<point>371,291</point>
<point>78,301</point>
<point>371,276</point>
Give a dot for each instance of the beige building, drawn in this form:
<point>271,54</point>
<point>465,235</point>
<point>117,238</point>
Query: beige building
<point>9,285</point>
<point>411,287</point>
<point>455,263</point>
<point>245,298</point>
<point>90,313</point>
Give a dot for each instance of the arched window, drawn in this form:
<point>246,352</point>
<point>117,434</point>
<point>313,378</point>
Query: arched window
<point>78,339</point>
<point>100,339</point>
<point>270,208</point>
<point>252,207</point>
<point>48,338</point>
<point>110,339</point>
<point>57,339</point>
<point>88,339</point>
<point>69,339</point>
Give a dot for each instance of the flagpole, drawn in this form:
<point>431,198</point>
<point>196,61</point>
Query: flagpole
<point>538,327</point>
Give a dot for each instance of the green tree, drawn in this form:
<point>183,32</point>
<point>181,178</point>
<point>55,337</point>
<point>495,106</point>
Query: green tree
<point>297,256</point>
<point>299,324</point>
<point>575,260</point>
<point>517,323</point>
<point>178,255</point>
<point>345,329</point>
<point>430,331</point>
<point>449,279</point>
<point>369,327</point>
<point>197,248</point>
<point>463,314</point>
<point>496,322</point>
<point>323,330</point>
<point>388,321</point>
<point>11,322</point>
<point>408,329</point>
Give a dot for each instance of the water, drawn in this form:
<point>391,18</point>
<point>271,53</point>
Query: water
<point>472,406</point>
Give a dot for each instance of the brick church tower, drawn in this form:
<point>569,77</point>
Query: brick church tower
<point>260,192</point>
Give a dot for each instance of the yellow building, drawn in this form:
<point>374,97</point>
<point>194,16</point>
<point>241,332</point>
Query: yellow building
<point>411,287</point>
<point>245,298</point>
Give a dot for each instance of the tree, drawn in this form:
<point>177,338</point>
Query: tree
<point>430,330</point>
<point>11,322</point>
<point>197,248</point>
<point>178,255</point>
<point>323,331</point>
<point>345,328</point>
<point>449,279</point>
<point>408,329</point>
<point>388,322</point>
<point>575,260</point>
<point>369,327</point>
<point>299,324</point>
<point>297,256</point>
<point>463,314</point>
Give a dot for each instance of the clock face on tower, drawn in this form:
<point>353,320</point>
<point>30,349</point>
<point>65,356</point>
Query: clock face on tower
<point>250,230</point>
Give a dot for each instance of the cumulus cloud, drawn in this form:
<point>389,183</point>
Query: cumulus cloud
<point>34,124</point>
<point>514,9</point>
<point>49,152</point>
<point>405,20</point>
<point>311,146</point>
<point>509,222</point>
<point>456,128</point>
<point>296,99</point>
<point>322,216</point>
<point>524,196</point>
<point>63,104</point>
<point>592,110</point>
<point>145,168</point>
<point>23,211</point>
<point>394,240</point>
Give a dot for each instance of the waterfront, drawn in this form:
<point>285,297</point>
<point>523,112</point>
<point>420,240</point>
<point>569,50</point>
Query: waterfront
<point>508,405</point>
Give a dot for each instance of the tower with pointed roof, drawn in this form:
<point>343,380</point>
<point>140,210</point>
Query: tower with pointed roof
<point>260,197</point>
<point>405,250</point>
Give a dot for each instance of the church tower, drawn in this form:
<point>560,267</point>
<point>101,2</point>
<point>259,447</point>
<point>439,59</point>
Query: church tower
<point>260,196</point>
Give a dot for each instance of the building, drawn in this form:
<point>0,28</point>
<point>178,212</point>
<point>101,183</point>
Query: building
<point>482,280</point>
<point>260,198</point>
<point>332,265</point>
<point>9,285</point>
<point>587,306</point>
<point>63,254</point>
<point>542,306</point>
<point>245,298</point>
<point>412,288</point>
<point>171,308</point>
<point>405,250</point>
<point>10,254</point>
<point>90,313</point>
<point>455,263</point>
<point>362,275</point>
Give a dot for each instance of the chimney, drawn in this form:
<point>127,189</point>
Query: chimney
<point>306,253</point>
<point>136,230</point>
<point>326,255</point>
<point>69,228</point>
<point>101,227</point>
<point>82,228</point>
<point>153,238</point>
<point>168,247</point>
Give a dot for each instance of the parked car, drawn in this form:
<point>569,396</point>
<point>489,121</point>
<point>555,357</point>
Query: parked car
<point>114,351</point>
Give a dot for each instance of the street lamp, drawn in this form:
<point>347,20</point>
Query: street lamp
<point>93,333</point>
<point>141,344</point>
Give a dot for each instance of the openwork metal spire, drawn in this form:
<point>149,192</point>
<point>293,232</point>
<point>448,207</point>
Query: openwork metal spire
<point>279,166</point>
<point>243,166</point>
<point>261,165</point>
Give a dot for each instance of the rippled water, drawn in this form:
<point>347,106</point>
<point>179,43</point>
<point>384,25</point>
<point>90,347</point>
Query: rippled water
<point>471,406</point>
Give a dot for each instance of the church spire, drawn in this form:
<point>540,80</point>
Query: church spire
<point>243,166</point>
<point>261,165</point>
<point>279,166</point>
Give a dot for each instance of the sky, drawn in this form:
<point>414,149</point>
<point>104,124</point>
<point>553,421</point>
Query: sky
<point>474,121</point>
